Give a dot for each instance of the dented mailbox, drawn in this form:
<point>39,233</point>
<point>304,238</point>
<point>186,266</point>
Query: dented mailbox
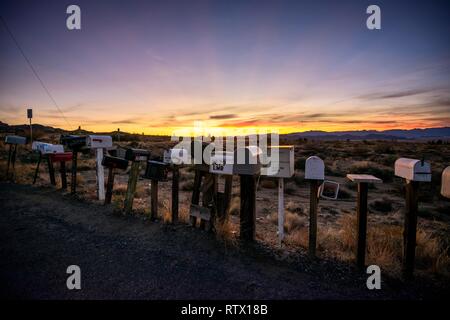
<point>222,162</point>
<point>115,162</point>
<point>445,188</point>
<point>156,170</point>
<point>15,140</point>
<point>96,141</point>
<point>136,155</point>
<point>176,156</point>
<point>314,168</point>
<point>47,148</point>
<point>413,169</point>
<point>247,160</point>
<point>281,166</point>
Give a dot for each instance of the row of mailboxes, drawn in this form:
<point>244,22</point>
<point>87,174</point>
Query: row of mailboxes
<point>15,140</point>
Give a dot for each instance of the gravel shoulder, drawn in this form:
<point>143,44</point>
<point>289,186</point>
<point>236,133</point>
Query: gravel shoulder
<point>43,231</point>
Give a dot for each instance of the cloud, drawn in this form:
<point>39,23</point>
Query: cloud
<point>222,116</point>
<point>397,94</point>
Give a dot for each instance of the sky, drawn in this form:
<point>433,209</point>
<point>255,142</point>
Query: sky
<point>291,66</point>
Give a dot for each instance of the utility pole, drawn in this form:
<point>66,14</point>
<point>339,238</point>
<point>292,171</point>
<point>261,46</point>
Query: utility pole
<point>30,116</point>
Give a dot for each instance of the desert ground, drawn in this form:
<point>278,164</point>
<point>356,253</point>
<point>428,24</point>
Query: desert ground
<point>336,220</point>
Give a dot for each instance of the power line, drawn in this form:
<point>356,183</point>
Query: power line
<point>34,70</point>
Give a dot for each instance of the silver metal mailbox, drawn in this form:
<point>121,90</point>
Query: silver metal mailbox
<point>413,169</point>
<point>176,156</point>
<point>222,162</point>
<point>47,148</point>
<point>96,142</point>
<point>247,160</point>
<point>445,188</point>
<point>281,166</point>
<point>314,168</point>
<point>15,140</point>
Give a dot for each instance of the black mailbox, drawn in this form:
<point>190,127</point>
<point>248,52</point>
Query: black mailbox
<point>137,154</point>
<point>73,142</point>
<point>156,170</point>
<point>114,162</point>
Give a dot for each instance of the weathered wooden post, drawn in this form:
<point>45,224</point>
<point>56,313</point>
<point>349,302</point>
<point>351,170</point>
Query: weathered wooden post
<point>361,211</point>
<point>156,171</point>
<point>136,156</point>
<point>248,167</point>
<point>112,163</point>
<point>175,191</point>
<point>62,158</point>
<point>315,173</point>
<point>99,143</point>
<point>445,187</point>
<point>278,162</point>
<point>36,171</point>
<point>75,144</point>
<point>414,171</point>
<point>13,142</point>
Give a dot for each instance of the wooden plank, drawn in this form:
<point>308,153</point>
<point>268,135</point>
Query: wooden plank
<point>410,228</point>
<point>36,172</point>
<point>196,194</point>
<point>200,212</point>
<point>175,191</point>
<point>313,204</point>
<point>154,200</point>
<point>51,171</point>
<point>131,188</point>
<point>109,185</point>
<point>362,224</point>
<point>367,178</point>
<point>62,170</point>
<point>248,207</point>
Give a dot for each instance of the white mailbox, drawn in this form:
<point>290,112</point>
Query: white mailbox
<point>278,162</point>
<point>247,160</point>
<point>314,168</point>
<point>47,148</point>
<point>445,188</point>
<point>222,162</point>
<point>15,140</point>
<point>413,169</point>
<point>176,156</point>
<point>96,142</point>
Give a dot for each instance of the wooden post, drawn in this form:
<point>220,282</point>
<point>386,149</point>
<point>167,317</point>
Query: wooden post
<point>313,204</point>
<point>9,161</point>
<point>109,185</point>
<point>73,182</point>
<point>36,172</point>
<point>154,200</point>
<point>100,174</point>
<point>410,228</point>
<point>227,194</point>
<point>62,170</point>
<point>196,194</point>
<point>175,190</point>
<point>362,224</point>
<point>131,188</point>
<point>209,192</point>
<point>248,207</point>
<point>280,210</point>
<point>51,171</point>
<point>13,159</point>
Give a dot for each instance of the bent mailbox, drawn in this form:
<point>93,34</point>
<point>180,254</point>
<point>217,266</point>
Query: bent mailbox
<point>45,149</point>
<point>315,172</point>
<point>76,144</point>
<point>136,156</point>
<point>413,171</point>
<point>156,171</point>
<point>445,188</point>
<point>112,163</point>
<point>13,142</point>
<point>278,162</point>
<point>98,143</point>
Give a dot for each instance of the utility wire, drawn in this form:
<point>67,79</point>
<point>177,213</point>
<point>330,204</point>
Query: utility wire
<point>34,71</point>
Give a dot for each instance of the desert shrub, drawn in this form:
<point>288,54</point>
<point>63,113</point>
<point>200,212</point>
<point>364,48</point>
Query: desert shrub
<point>384,205</point>
<point>293,222</point>
<point>344,194</point>
<point>290,189</point>
<point>268,184</point>
<point>235,206</point>
<point>187,185</point>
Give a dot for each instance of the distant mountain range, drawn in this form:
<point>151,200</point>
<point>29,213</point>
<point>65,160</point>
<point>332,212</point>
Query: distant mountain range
<point>393,134</point>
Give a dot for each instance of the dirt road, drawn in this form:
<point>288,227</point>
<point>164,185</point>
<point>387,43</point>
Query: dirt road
<point>43,231</point>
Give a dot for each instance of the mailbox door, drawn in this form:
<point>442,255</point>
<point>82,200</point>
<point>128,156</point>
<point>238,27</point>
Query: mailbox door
<point>314,168</point>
